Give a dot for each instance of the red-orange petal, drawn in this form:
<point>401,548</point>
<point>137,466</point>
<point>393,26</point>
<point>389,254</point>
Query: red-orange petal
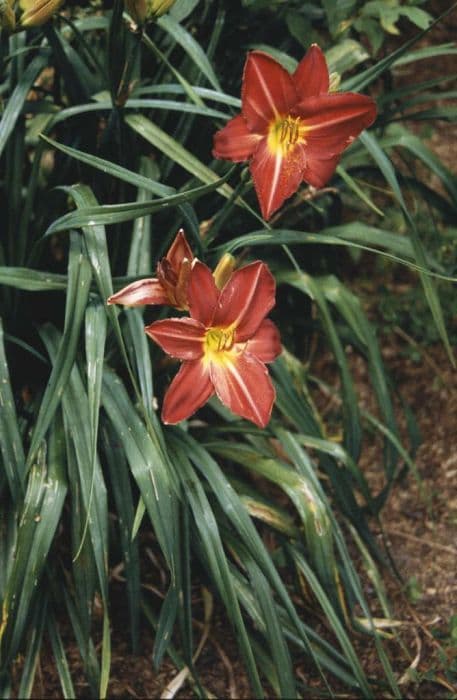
<point>148,291</point>
<point>246,299</point>
<point>334,121</point>
<point>179,337</point>
<point>267,92</point>
<point>318,171</point>
<point>189,390</point>
<point>243,384</point>
<point>202,293</point>
<point>265,344</point>
<point>235,141</point>
<point>276,176</point>
<point>179,250</point>
<point>311,76</point>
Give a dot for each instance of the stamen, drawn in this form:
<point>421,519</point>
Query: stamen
<point>289,130</point>
<point>219,339</point>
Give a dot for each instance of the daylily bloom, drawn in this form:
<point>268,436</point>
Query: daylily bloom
<point>291,127</point>
<point>170,285</point>
<point>223,345</point>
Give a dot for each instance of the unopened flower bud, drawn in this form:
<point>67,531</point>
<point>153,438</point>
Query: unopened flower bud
<point>146,10</point>
<point>334,82</point>
<point>223,270</point>
<point>7,16</point>
<point>37,12</point>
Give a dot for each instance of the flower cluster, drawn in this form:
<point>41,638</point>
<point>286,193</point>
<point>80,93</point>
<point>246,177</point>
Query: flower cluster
<point>292,128</point>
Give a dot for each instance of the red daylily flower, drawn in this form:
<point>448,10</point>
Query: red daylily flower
<point>290,127</point>
<point>170,285</point>
<point>224,345</point>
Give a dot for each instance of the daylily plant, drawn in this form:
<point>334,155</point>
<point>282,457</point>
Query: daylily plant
<point>170,285</point>
<point>291,128</point>
<point>224,345</point>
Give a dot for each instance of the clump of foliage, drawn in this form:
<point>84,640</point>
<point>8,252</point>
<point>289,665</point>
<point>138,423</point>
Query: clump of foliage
<point>105,145</point>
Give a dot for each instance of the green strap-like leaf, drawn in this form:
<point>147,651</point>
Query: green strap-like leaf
<point>10,439</point>
<point>79,276</point>
<point>384,164</point>
<point>16,101</point>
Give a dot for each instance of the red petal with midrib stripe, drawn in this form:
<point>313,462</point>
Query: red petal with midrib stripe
<point>276,177</point>
<point>267,91</point>
<point>243,384</point>
<point>245,300</point>
<point>311,75</point>
<point>179,337</point>
<point>333,121</point>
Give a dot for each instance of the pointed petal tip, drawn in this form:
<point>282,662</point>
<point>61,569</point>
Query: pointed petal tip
<point>140,293</point>
<point>179,250</point>
<point>311,76</point>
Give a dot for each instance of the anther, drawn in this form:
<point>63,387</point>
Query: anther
<point>289,131</point>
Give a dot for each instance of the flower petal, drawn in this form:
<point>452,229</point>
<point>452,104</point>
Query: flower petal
<point>267,92</point>
<point>235,141</point>
<point>202,293</point>
<point>189,390</point>
<point>265,344</point>
<point>311,76</point>
<point>318,171</point>
<point>333,121</point>
<point>245,300</point>
<point>179,337</point>
<point>148,291</point>
<point>243,384</point>
<point>276,176</point>
<point>182,282</point>
<point>179,250</point>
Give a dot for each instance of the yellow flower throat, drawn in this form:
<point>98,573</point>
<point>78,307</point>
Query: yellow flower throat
<point>285,133</point>
<point>219,340</point>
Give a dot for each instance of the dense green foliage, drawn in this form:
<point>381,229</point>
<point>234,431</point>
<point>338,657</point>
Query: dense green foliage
<point>105,147</point>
